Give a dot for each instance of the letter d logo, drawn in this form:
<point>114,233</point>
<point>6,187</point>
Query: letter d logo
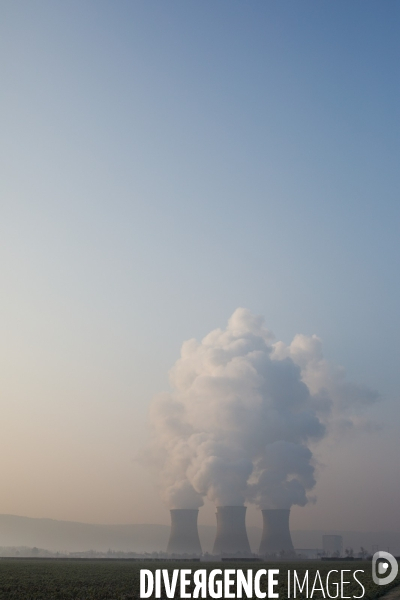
<point>385,559</point>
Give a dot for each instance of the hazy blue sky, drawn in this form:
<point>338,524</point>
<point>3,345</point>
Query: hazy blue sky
<point>162,164</point>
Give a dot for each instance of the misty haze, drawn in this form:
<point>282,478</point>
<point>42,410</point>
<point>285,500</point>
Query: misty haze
<point>199,242</point>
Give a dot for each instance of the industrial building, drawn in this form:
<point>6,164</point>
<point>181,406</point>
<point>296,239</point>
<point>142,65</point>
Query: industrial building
<point>184,536</point>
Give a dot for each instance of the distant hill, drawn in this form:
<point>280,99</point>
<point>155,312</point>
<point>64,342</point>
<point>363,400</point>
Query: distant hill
<point>70,536</point>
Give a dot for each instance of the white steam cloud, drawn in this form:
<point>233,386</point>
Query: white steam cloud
<point>242,414</point>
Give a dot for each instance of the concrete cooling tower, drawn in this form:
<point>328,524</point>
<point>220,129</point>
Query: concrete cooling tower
<point>184,537</point>
<point>231,536</point>
<point>276,537</point>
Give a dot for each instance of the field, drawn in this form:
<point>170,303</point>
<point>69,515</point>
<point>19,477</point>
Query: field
<point>64,579</point>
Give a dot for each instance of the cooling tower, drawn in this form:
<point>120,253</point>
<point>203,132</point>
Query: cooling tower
<point>276,535</point>
<point>184,537</point>
<point>231,531</point>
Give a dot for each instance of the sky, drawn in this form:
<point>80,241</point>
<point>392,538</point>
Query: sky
<point>164,163</point>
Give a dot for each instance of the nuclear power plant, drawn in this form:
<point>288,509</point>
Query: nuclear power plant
<point>231,538</point>
<point>213,435</point>
<point>276,536</point>
<point>184,537</point>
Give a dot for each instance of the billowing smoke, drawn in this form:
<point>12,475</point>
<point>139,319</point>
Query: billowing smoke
<point>282,475</point>
<point>242,414</point>
<point>340,403</point>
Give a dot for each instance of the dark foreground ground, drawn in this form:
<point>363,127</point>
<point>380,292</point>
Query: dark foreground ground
<point>55,579</point>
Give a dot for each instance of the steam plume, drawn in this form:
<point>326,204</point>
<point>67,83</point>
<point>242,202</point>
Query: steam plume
<point>242,414</point>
